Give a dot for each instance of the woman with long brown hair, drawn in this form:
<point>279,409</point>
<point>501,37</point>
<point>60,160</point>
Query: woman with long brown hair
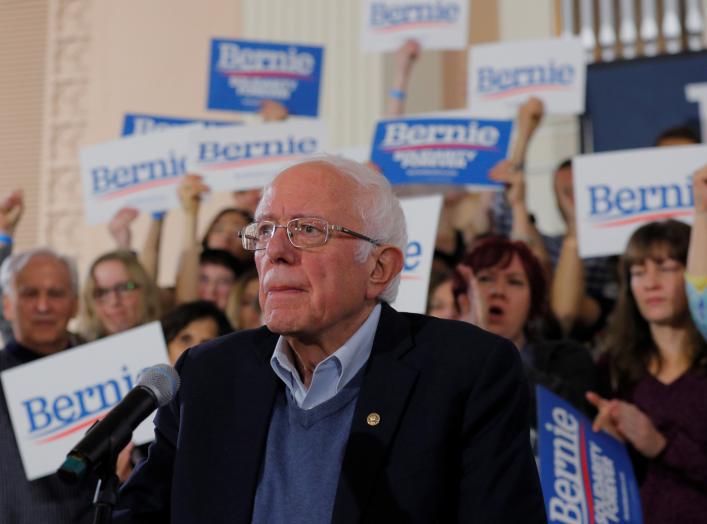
<point>658,372</point>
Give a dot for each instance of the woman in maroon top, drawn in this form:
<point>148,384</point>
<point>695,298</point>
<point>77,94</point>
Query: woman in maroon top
<point>658,364</point>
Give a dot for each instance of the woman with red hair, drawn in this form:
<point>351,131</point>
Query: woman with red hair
<point>502,288</point>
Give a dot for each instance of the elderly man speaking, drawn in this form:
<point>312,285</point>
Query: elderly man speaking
<point>340,409</point>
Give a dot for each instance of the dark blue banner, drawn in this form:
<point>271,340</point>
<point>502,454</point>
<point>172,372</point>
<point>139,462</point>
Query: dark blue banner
<point>139,124</point>
<point>631,102</point>
<point>587,477</point>
<point>440,150</point>
<point>244,73</point>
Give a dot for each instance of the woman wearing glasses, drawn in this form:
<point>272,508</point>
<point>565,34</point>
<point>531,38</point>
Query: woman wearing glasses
<point>118,295</point>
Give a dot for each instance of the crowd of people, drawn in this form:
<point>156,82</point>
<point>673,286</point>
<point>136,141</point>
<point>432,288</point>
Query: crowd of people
<point>622,338</point>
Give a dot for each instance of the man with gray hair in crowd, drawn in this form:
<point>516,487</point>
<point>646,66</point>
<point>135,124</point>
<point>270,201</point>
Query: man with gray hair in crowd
<point>40,296</point>
<point>339,409</point>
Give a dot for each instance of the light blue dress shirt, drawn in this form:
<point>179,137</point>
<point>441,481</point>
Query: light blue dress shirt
<point>332,373</point>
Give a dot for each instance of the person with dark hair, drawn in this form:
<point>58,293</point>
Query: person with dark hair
<point>658,372</point>
<point>441,302</point>
<point>222,234</point>
<point>677,136</point>
<point>191,324</point>
<point>502,288</point>
<point>218,272</point>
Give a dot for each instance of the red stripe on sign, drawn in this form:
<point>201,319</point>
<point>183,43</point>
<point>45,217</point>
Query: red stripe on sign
<point>268,74</point>
<point>69,431</point>
<point>525,89</point>
<point>460,147</point>
<point>585,473</point>
<point>409,277</point>
<point>140,187</point>
<point>238,163</point>
<point>645,218</point>
<point>415,25</point>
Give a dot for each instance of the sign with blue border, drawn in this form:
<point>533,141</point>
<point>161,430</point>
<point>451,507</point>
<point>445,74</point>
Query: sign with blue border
<point>586,476</point>
<point>141,123</point>
<point>440,150</point>
<point>243,73</point>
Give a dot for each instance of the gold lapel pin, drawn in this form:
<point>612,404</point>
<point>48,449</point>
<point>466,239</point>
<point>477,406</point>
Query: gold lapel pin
<point>373,419</point>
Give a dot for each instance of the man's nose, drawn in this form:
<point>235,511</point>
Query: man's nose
<point>279,247</point>
<point>43,303</point>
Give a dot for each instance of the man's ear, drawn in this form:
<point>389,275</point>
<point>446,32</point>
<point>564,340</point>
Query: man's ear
<point>388,264</point>
<point>7,309</point>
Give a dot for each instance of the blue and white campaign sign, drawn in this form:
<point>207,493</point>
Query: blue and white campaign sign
<point>246,157</point>
<point>586,476</point>
<point>440,150</point>
<point>615,193</point>
<point>140,171</point>
<point>421,217</point>
<point>435,24</point>
<point>243,73</point>
<point>53,401</point>
<point>503,76</point>
<point>141,123</point>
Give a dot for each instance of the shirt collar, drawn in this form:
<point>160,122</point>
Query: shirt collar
<point>348,360</point>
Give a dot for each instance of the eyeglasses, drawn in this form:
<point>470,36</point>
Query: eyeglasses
<point>102,293</point>
<point>302,233</point>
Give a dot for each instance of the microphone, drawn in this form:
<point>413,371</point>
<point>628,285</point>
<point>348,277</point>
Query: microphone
<point>156,386</point>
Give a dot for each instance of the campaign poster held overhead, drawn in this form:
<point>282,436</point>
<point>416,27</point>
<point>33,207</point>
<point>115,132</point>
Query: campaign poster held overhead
<point>246,157</point>
<point>503,76</point>
<point>586,476</point>
<point>243,73</point>
<point>615,193</point>
<point>53,401</point>
<point>440,150</point>
<point>142,123</point>
<point>421,217</point>
<point>140,171</point>
<point>435,24</point>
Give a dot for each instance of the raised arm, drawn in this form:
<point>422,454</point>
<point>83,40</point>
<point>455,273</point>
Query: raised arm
<point>696,271</point>
<point>11,208</point>
<point>568,299</point>
<point>190,191</point>
<point>405,58</point>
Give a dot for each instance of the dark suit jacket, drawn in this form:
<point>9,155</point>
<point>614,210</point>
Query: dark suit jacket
<point>452,443</point>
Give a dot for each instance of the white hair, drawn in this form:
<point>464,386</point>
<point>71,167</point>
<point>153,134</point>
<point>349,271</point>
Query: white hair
<point>377,206</point>
<point>15,263</point>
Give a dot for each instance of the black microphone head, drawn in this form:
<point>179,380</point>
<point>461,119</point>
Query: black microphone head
<point>162,380</point>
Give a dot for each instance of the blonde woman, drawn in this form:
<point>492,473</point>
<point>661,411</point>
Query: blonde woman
<point>118,295</point>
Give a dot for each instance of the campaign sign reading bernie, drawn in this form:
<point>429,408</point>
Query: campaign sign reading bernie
<point>436,24</point>
<point>503,76</point>
<point>615,193</point>
<point>421,217</point>
<point>140,171</point>
<point>245,157</point>
<point>141,124</point>
<point>54,400</point>
<point>440,150</point>
<point>244,73</point>
<point>586,476</point>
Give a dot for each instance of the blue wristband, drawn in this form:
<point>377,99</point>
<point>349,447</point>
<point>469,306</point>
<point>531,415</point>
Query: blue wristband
<point>158,215</point>
<point>5,239</point>
<point>397,94</point>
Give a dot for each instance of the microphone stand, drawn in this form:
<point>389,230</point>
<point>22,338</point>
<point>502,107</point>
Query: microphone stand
<point>106,490</point>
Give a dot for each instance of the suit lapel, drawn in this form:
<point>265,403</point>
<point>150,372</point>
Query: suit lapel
<point>253,392</point>
<point>384,394</point>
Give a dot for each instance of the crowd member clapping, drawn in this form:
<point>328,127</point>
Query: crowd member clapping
<point>118,295</point>
<point>503,290</point>
<point>190,324</point>
<point>658,364</point>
